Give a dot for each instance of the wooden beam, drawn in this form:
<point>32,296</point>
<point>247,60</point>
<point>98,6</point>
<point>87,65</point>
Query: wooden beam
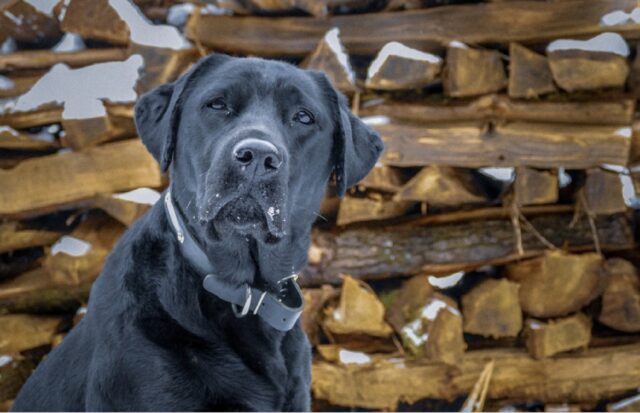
<point>14,236</point>
<point>584,377</point>
<point>50,182</point>
<point>44,59</point>
<point>446,248</point>
<point>513,144</point>
<point>427,29</point>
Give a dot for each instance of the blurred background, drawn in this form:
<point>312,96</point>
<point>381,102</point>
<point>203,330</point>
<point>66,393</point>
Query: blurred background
<point>489,260</point>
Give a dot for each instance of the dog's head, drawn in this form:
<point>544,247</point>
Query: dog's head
<point>251,144</point>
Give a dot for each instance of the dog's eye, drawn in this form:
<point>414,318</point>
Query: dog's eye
<point>217,104</point>
<point>304,117</point>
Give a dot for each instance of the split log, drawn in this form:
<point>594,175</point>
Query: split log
<point>14,372</point>
<point>359,209</point>
<point>383,178</point>
<point>445,342</point>
<point>64,281</point>
<point>44,59</point>
<point>447,248</point>
<point>557,336</point>
<point>126,212</point>
<point>95,20</point>
<point>471,72</point>
<point>500,108</point>
<point>529,73</point>
<point>44,115</point>
<point>621,297</point>
<point>330,57</point>
<point>161,65</point>
<point>603,192</point>
<point>514,144</point>
<point>14,236</point>
<point>413,295</point>
<point>11,139</point>
<point>81,133</point>
<point>557,284</point>
<point>535,187</point>
<point>359,312</point>
<point>586,377</point>
<point>576,66</point>
<point>442,186</point>
<point>424,29</point>
<point>398,67</point>
<point>64,179</point>
<point>23,332</point>
<point>23,22</point>
<point>492,309</point>
<point>315,299</point>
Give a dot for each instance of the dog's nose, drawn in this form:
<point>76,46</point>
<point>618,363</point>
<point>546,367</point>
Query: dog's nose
<point>259,153</point>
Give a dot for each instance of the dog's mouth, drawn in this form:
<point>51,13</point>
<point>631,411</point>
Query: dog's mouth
<point>247,216</point>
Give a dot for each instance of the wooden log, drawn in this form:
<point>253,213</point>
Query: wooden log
<point>81,133</point>
<point>161,65</point>
<point>492,309</point>
<point>64,280</point>
<point>398,67</point>
<point>603,192</point>
<point>359,312</point>
<point>330,57</point>
<point>95,20</point>
<point>315,300</point>
<point>445,342</point>
<point>556,283</point>
<point>500,108</point>
<point>64,179</point>
<point>485,23</point>
<point>586,377</point>
<point>535,187</point>
<point>442,186</point>
<point>44,59</point>
<point>25,23</point>
<point>313,7</point>
<point>621,296</point>
<point>446,248</point>
<point>359,209</point>
<point>413,295</point>
<point>11,139</point>
<point>126,212</point>
<point>383,178</point>
<point>14,236</point>
<point>529,73</point>
<point>577,67</point>
<point>14,371</point>
<point>471,72</point>
<point>514,144</point>
<point>22,332</point>
<point>44,115</point>
<point>545,339</point>
<point>629,404</point>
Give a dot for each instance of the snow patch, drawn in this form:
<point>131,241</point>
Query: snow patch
<point>620,405</point>
<point>4,360</point>
<point>564,179</point>
<point>629,192</point>
<point>145,196</point>
<point>353,357</point>
<point>619,17</point>
<point>501,174</point>
<point>9,130</point>
<point>431,310</point>
<point>400,50</point>
<point>605,42</point>
<point>63,10</point>
<point>214,10</point>
<point>17,20</point>
<point>333,41</point>
<point>71,246</point>
<point>143,32</point>
<point>84,88</point>
<point>45,6</point>
<point>447,281</point>
<point>178,14</point>
<point>458,45</point>
<point>624,132</point>
<point>411,332</point>
<point>70,42</point>
<point>9,46</point>
<point>337,315</point>
<point>534,325</point>
<point>376,120</point>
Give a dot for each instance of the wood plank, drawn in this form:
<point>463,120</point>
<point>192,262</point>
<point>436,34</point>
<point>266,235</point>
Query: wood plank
<point>14,236</point>
<point>513,144</point>
<point>589,376</point>
<point>426,29</point>
<point>472,72</point>
<point>492,309</point>
<point>44,59</point>
<point>23,332</point>
<point>409,249</point>
<point>50,182</point>
<point>545,339</point>
<point>529,73</point>
<point>501,108</point>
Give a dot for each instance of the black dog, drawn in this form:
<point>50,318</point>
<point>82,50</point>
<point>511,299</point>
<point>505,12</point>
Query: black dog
<point>195,308</point>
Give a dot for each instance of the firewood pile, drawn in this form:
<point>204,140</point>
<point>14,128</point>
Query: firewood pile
<point>488,261</point>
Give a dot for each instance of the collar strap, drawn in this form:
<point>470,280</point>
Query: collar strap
<point>280,311</point>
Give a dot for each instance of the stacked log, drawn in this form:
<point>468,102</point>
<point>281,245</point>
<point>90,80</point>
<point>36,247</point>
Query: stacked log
<point>489,255</point>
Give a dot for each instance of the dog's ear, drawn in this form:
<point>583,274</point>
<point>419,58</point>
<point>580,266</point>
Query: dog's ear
<point>356,147</point>
<point>157,113</point>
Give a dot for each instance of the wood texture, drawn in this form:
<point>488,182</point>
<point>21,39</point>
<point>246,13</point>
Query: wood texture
<point>359,209</point>
<point>44,59</point>
<point>46,183</point>
<point>445,342</point>
<point>25,23</point>
<point>324,59</point>
<point>590,376</point>
<point>514,144</point>
<point>575,70</point>
<point>621,296</point>
<point>423,29</point>
<point>492,309</point>
<point>14,236</point>
<point>447,248</point>
<point>471,72</point>
<point>529,73</point>
<point>603,192</point>
<point>545,339</point>
<point>398,73</point>
<point>23,332</point>
<point>535,187</point>
<point>95,20</point>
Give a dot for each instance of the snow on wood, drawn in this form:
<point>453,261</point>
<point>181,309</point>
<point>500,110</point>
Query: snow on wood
<point>400,67</point>
<point>446,281</point>
<point>70,42</point>
<point>333,41</point>
<point>353,357</point>
<point>71,246</point>
<point>619,17</point>
<point>605,42</point>
<point>146,196</point>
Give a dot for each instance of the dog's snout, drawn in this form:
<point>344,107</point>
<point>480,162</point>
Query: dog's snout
<point>259,153</point>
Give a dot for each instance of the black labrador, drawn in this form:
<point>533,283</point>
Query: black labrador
<point>185,313</point>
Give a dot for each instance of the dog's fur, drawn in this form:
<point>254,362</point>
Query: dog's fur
<point>153,338</point>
